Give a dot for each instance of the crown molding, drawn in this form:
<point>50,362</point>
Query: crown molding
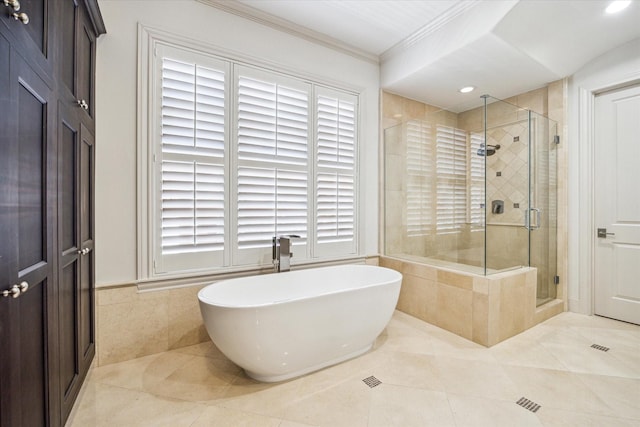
<point>443,19</point>
<point>260,17</point>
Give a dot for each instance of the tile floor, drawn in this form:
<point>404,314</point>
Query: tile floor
<point>429,377</point>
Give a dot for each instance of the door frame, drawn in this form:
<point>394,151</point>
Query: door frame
<point>616,69</point>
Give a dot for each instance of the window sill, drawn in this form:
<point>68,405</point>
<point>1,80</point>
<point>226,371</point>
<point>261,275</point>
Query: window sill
<point>185,280</point>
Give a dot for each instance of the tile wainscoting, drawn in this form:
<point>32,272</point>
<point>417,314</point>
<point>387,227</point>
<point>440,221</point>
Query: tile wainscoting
<point>131,324</point>
<point>484,309</point>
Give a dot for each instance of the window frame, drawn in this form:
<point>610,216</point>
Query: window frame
<point>151,43</point>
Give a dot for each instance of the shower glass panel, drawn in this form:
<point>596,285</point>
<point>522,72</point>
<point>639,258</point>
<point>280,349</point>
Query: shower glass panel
<point>474,189</point>
<point>434,192</point>
<point>507,185</point>
<point>542,199</point>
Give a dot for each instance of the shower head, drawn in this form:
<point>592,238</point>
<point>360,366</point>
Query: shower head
<point>489,151</point>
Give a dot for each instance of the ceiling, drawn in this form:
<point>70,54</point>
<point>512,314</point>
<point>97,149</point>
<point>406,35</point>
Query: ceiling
<point>427,50</point>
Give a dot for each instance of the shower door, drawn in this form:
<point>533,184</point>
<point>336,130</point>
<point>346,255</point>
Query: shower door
<point>541,217</point>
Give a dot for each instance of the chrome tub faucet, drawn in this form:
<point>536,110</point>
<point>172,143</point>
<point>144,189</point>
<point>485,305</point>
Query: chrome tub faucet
<point>281,252</point>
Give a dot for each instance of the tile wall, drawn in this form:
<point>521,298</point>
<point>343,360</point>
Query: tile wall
<point>131,324</point>
<point>486,310</point>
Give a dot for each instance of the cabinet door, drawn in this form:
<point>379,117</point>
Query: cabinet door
<point>85,63</point>
<point>28,332</point>
<point>86,293</point>
<point>7,199</point>
<point>68,18</point>
<point>77,58</point>
<point>69,252</point>
<point>32,31</point>
<point>75,241</point>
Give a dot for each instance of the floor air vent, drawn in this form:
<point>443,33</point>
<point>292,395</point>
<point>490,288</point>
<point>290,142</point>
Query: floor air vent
<point>529,405</point>
<point>372,381</point>
<point>600,347</point>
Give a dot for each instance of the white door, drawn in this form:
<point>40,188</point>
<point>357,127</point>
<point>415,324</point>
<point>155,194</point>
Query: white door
<point>617,204</point>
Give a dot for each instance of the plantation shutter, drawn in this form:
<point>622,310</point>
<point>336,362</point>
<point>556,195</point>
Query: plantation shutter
<point>335,176</point>
<point>451,167</point>
<point>273,135</point>
<point>191,165</point>
<point>420,178</point>
<point>477,183</point>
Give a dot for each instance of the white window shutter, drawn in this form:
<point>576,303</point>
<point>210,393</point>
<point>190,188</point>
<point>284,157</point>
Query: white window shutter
<point>336,173</point>
<point>420,178</point>
<point>273,161</point>
<point>192,207</point>
<point>477,183</point>
<point>272,122</point>
<point>271,202</point>
<point>191,166</point>
<point>451,168</point>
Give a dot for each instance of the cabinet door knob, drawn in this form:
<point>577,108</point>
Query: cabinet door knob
<point>22,17</point>
<point>83,104</point>
<point>16,290</point>
<point>13,4</point>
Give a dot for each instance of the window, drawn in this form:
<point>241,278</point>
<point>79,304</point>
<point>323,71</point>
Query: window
<point>242,154</point>
<point>335,172</point>
<point>451,170</point>
<point>476,182</point>
<point>420,177</point>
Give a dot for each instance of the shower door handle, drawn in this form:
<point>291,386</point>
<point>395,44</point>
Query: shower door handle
<point>527,218</point>
<point>538,218</point>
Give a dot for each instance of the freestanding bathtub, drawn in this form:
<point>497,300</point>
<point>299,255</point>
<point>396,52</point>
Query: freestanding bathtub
<point>280,326</point>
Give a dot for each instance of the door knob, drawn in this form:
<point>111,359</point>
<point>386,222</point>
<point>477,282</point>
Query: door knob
<point>16,290</point>
<point>602,233</point>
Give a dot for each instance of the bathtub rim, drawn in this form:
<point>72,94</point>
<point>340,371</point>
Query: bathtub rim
<point>398,278</point>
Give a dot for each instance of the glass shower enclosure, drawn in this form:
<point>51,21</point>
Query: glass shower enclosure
<point>474,190</point>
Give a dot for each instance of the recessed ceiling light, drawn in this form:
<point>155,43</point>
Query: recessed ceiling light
<point>467,89</point>
<point>617,6</point>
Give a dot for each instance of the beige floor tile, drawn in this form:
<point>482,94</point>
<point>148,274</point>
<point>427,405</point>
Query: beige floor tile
<point>206,349</point>
<point>475,378</point>
<point>347,404</point>
<point>97,403</point>
<point>556,389</point>
<point>154,411</point>
<point>246,394</point>
<point>558,418</point>
<point>575,352</point>
<point>411,370</point>
<point>568,319</point>
<point>287,423</point>
<point>622,395</point>
<point>479,412</point>
<point>407,407</point>
<point>216,416</point>
<point>201,379</point>
<point>525,353</point>
<point>140,374</point>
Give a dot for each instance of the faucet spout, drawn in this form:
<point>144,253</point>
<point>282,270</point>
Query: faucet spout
<point>281,250</point>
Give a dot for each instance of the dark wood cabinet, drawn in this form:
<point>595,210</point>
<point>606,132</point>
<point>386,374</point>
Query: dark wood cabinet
<point>46,208</point>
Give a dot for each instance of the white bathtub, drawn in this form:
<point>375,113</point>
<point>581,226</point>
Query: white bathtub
<point>280,326</point>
